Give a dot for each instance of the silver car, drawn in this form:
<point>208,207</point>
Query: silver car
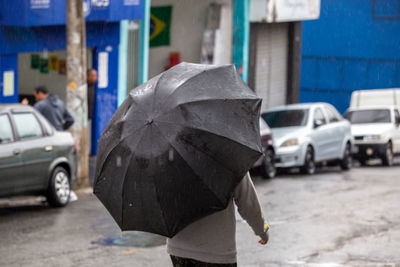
<point>307,134</point>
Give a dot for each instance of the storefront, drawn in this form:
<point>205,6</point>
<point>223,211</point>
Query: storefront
<point>33,50</point>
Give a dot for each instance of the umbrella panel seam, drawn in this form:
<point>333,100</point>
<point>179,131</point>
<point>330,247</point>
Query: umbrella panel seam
<point>207,131</point>
<point>189,165</point>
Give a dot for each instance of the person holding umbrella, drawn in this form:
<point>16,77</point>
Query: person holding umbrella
<point>211,241</point>
<point>174,159</point>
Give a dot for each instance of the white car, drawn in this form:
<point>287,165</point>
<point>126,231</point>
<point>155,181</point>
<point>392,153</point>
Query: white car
<point>306,134</point>
<point>376,131</point>
<point>375,118</point>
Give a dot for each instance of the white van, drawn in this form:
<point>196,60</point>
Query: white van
<point>375,119</point>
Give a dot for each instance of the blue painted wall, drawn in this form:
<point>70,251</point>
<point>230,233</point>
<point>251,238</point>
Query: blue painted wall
<point>354,45</point>
<point>106,98</point>
<point>53,12</point>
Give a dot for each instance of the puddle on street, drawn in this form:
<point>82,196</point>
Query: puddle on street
<point>133,239</point>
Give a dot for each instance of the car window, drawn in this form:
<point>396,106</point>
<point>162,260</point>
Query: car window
<point>27,125</point>
<point>318,115</point>
<point>333,115</point>
<point>369,116</point>
<point>6,133</point>
<point>47,126</point>
<point>286,118</point>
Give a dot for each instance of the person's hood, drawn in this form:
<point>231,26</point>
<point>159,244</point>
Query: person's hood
<point>53,100</point>
<point>371,128</point>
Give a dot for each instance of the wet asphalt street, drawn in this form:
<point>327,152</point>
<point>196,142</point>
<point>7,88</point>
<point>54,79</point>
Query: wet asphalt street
<point>332,218</point>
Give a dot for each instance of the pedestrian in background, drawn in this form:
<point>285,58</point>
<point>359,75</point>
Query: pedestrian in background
<point>52,108</point>
<point>211,241</point>
<point>91,80</point>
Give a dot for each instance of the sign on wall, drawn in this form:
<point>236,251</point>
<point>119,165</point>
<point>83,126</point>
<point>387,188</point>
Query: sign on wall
<point>8,83</point>
<point>40,4</point>
<point>160,24</point>
<point>284,10</point>
<point>103,70</point>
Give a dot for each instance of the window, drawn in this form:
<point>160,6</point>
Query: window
<point>47,126</point>
<point>333,115</point>
<point>286,118</point>
<point>27,125</point>
<point>318,115</point>
<point>6,133</point>
<point>368,116</point>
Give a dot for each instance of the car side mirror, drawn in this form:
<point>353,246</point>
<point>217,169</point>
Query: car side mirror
<point>318,123</point>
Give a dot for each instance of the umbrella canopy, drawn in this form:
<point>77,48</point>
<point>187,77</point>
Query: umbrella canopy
<point>177,147</point>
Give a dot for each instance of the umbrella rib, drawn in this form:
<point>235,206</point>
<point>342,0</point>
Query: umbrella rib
<point>204,130</point>
<point>210,156</point>
<point>209,100</point>
<point>176,89</point>
<point>120,141</point>
<point>155,186</point>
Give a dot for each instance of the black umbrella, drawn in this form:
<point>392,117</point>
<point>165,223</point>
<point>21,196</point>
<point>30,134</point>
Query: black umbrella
<point>177,147</point>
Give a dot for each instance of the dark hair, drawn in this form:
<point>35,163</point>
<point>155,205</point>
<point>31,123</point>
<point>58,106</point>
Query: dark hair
<point>90,70</point>
<point>41,89</point>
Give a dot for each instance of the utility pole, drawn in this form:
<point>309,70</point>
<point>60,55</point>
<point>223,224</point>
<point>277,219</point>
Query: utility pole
<point>76,85</point>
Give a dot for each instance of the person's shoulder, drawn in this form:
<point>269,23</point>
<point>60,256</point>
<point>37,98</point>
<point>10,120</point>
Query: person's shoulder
<point>39,104</point>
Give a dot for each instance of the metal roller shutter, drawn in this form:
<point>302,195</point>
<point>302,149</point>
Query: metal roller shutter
<point>268,62</point>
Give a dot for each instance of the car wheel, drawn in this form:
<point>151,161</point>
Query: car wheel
<point>387,159</point>
<point>347,160</point>
<point>309,162</point>
<point>59,188</point>
<point>268,165</point>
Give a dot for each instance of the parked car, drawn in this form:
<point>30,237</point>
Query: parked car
<point>266,163</point>
<point>35,159</point>
<point>375,119</point>
<point>307,134</point>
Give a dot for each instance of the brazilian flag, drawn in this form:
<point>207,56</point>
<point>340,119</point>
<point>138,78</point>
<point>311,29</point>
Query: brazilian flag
<point>160,22</point>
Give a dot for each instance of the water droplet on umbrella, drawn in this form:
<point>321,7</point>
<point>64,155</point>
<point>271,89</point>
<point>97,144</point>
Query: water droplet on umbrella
<point>119,161</point>
<point>131,204</point>
<point>171,155</point>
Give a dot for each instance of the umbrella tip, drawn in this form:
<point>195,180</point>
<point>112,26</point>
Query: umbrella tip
<point>149,122</point>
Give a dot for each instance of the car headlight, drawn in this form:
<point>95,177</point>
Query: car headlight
<point>290,142</point>
<point>373,137</point>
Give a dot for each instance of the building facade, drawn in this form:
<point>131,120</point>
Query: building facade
<point>353,45</point>
<point>33,50</point>
<point>275,48</point>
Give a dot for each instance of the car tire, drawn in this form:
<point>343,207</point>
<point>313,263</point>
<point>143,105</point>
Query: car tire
<point>387,158</point>
<point>309,162</point>
<point>347,161</point>
<point>268,165</point>
<point>59,190</point>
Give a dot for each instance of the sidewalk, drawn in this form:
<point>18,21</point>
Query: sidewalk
<point>39,200</point>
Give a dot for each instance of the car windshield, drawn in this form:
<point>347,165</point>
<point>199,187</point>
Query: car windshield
<point>368,116</point>
<point>286,118</point>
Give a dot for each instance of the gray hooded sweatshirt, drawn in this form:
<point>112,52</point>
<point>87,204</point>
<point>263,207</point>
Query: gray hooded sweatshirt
<point>213,238</point>
<point>55,111</point>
